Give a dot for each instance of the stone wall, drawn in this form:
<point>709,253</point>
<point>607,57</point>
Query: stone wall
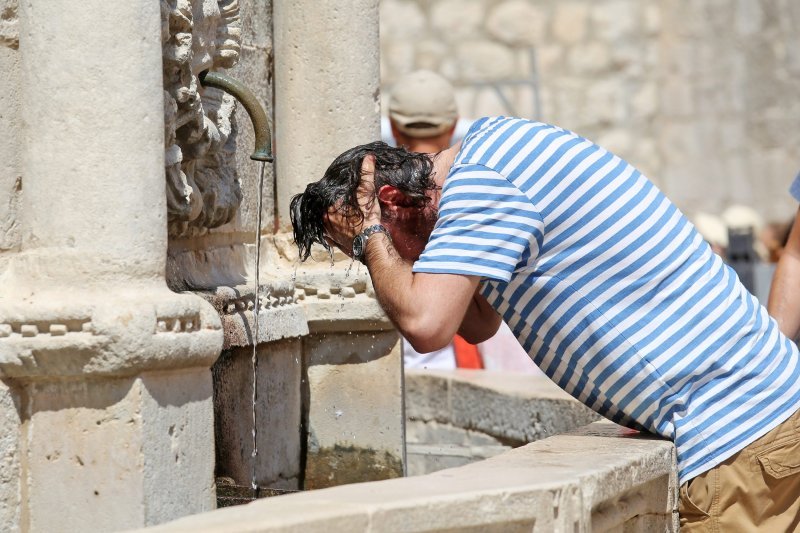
<point>600,477</point>
<point>458,417</point>
<point>699,95</point>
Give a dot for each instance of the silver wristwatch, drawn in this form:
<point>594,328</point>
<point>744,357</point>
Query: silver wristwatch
<point>360,240</point>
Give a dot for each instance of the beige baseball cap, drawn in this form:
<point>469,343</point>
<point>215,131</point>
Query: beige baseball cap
<point>423,104</point>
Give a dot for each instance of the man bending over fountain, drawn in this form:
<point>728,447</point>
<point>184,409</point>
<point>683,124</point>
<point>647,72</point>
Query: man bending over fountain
<point>604,282</point>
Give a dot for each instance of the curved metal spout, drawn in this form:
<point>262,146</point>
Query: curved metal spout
<point>263,150</point>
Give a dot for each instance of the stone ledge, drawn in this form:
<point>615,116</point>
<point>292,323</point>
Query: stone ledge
<point>122,332</point>
<point>336,296</point>
<point>600,475</point>
<point>279,316</point>
<point>360,313</point>
<point>513,408</point>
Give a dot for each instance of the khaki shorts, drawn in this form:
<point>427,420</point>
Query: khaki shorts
<point>758,489</point>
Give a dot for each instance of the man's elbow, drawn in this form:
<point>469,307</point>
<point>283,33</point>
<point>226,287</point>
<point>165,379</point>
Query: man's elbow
<point>426,338</point>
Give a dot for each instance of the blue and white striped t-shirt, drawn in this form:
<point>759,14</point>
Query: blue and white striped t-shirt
<point>612,291</point>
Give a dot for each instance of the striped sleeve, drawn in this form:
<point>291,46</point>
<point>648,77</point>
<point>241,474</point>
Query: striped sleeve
<point>486,227</point>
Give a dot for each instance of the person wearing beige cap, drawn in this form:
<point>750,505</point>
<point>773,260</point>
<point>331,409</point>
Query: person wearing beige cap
<point>422,112</point>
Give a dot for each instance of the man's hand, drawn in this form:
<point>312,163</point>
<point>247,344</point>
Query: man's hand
<point>428,309</point>
<point>342,228</point>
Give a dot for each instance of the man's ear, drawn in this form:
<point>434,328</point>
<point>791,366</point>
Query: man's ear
<point>393,198</point>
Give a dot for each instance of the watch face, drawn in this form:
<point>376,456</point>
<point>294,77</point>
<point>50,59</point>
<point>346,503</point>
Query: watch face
<point>358,246</point>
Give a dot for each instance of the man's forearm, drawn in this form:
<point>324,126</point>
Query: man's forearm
<point>427,308</point>
<point>392,278</point>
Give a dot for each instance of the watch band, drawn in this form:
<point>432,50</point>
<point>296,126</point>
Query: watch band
<point>360,240</point>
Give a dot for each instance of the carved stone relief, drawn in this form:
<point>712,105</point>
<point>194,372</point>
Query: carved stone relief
<point>200,132</point>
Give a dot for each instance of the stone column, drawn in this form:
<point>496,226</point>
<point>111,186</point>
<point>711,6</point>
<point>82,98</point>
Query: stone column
<point>327,99</point>
<point>327,87</point>
<point>110,369</point>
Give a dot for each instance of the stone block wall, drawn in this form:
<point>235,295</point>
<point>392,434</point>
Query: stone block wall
<point>699,95</point>
<point>278,413</point>
<point>462,416</point>
<point>353,418</point>
<point>600,477</point>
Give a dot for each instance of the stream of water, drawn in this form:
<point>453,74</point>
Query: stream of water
<point>256,308</point>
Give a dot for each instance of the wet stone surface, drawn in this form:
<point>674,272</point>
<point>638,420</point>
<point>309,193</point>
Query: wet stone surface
<point>341,465</point>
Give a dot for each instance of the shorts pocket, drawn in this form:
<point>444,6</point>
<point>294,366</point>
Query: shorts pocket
<point>781,460</point>
<point>696,496</point>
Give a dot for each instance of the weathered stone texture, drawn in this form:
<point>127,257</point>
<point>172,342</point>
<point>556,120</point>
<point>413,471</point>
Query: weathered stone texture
<point>278,415</point>
<point>106,448</point>
<point>327,88</point>
<point>570,22</point>
<point>517,23</point>
<point>603,68</point>
<point>10,124</point>
<point>456,19</point>
<point>254,69</point>
<point>9,32</point>
<point>457,417</point>
<point>485,60</point>
<point>403,10</point>
<point>10,482</point>
<point>176,410</point>
<point>598,478</point>
<point>354,408</point>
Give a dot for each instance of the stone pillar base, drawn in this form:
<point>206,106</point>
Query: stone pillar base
<point>112,390</point>
<point>126,452</point>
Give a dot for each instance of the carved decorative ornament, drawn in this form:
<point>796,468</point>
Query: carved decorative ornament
<point>203,189</point>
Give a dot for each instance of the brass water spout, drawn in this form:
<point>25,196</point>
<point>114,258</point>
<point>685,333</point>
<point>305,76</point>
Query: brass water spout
<point>263,150</point>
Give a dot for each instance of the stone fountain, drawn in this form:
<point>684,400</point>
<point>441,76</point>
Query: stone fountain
<point>119,291</point>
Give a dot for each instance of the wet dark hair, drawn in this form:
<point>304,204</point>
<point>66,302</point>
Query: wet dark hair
<point>410,172</point>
